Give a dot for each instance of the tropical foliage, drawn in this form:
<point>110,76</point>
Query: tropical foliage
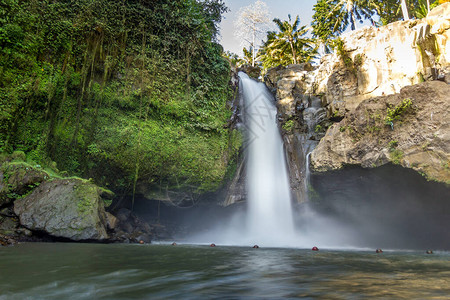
<point>120,91</point>
<point>332,17</point>
<point>391,10</point>
<point>287,46</point>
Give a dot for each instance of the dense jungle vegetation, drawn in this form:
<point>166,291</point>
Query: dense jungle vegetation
<point>121,91</point>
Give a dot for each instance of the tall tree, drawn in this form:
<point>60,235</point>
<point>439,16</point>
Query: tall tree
<point>289,34</point>
<point>251,24</point>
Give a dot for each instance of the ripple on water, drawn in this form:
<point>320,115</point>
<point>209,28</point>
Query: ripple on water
<point>72,271</point>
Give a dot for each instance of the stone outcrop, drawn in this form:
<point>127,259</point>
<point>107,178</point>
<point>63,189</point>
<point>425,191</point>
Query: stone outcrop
<point>375,62</point>
<point>18,179</point>
<point>372,62</point>
<point>67,208</point>
<point>418,138</point>
<point>128,228</point>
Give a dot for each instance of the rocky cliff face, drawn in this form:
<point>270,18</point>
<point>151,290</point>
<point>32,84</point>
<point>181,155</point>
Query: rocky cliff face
<point>411,128</point>
<point>373,62</point>
<point>348,87</point>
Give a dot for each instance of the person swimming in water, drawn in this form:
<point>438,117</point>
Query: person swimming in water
<point>315,248</point>
<point>212,245</point>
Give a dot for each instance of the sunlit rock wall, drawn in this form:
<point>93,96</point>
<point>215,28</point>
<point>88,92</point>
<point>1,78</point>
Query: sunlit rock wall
<point>383,60</point>
<point>376,62</point>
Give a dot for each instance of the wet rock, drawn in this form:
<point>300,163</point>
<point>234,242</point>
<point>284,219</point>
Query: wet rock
<point>376,62</point>
<point>253,72</point>
<point>111,221</point>
<point>65,208</point>
<point>17,179</point>
<point>130,228</point>
<point>6,240</point>
<point>236,192</point>
<point>447,78</point>
<point>419,137</point>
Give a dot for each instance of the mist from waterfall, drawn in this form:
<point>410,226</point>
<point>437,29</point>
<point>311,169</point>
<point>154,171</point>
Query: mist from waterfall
<point>355,208</point>
<point>269,219</point>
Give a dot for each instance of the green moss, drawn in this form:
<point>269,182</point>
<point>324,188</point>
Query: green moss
<point>18,156</point>
<point>118,101</point>
<point>288,125</point>
<point>395,154</point>
<point>313,195</point>
<point>86,195</point>
<point>107,202</point>
<point>396,112</point>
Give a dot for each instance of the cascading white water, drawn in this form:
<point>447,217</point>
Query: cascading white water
<point>307,176</point>
<point>270,220</point>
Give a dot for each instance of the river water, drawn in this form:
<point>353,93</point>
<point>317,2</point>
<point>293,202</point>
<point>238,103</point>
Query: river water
<point>95,271</point>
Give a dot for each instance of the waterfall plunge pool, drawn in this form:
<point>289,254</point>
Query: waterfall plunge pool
<point>95,271</point>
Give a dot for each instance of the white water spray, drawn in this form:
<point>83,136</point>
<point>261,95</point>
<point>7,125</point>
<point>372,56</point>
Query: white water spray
<point>269,220</point>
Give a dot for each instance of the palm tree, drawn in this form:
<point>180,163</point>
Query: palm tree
<point>289,33</point>
<point>289,41</point>
<point>332,17</point>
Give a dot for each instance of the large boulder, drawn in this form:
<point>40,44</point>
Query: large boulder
<point>64,208</point>
<point>417,138</point>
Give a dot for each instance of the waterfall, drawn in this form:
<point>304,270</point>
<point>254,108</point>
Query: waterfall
<point>269,217</point>
<point>307,176</point>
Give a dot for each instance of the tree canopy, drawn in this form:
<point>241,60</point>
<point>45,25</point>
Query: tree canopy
<point>288,45</point>
<point>121,91</point>
<point>332,17</point>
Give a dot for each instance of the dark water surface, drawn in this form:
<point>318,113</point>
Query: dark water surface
<point>92,271</point>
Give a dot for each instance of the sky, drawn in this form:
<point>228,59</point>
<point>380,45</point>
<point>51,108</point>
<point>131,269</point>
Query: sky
<point>277,8</point>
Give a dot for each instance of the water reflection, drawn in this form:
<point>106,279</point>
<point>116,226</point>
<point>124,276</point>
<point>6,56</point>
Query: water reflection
<point>62,271</point>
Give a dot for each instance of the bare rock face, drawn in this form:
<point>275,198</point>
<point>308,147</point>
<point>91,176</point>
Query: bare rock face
<point>66,208</point>
<point>418,136</point>
<point>349,85</point>
<point>375,62</point>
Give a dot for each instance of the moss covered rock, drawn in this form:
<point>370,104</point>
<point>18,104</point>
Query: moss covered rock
<point>17,179</point>
<point>64,208</point>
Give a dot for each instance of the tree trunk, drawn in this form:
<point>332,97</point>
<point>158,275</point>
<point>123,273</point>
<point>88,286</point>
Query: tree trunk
<point>253,48</point>
<point>428,5</point>
<point>188,73</point>
<point>405,10</point>
<point>293,52</point>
